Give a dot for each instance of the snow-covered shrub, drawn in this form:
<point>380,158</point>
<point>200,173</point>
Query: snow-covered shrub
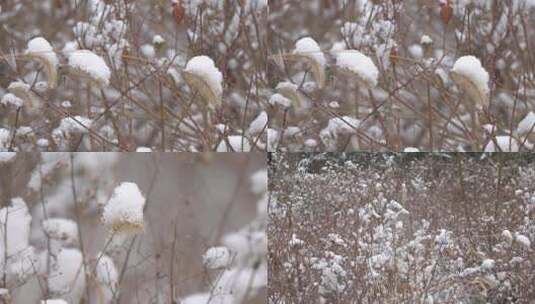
<point>409,228</point>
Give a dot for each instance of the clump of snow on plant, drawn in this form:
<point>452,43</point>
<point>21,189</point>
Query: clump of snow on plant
<point>77,124</point>
<point>157,39</point>
<point>236,143</point>
<point>280,100</point>
<point>522,240</point>
<point>360,64</point>
<point>309,50</point>
<point>41,49</point>
<point>204,67</point>
<point>90,65</point>
<point>22,91</point>
<point>12,100</point>
<point>61,229</point>
<point>471,68</point>
<point>217,257</point>
<point>502,144</point>
<point>308,47</point>
<point>124,210</point>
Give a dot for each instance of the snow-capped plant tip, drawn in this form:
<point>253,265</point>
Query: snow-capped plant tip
<point>217,258</point>
<point>40,49</point>
<point>469,74</point>
<point>61,229</point>
<point>359,64</point>
<point>90,65</point>
<point>307,49</point>
<point>202,75</point>
<point>123,213</point>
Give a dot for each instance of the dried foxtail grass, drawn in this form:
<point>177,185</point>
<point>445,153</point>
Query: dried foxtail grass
<point>40,50</point>
<point>289,91</point>
<point>316,68</point>
<point>479,98</point>
<point>127,227</point>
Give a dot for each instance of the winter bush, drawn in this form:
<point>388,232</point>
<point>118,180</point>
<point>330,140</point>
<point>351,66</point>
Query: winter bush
<point>401,228</point>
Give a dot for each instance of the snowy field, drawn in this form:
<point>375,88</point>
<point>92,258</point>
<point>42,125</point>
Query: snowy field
<point>155,228</point>
<point>401,228</point>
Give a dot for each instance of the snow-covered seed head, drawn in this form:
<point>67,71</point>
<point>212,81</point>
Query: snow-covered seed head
<point>11,100</point>
<point>124,211</point>
<point>289,91</point>
<point>202,75</point>
<point>507,236</point>
<point>5,295</point>
<point>523,241</point>
<point>280,101</point>
<point>70,126</point>
<point>158,41</point>
<point>308,50</point>
<point>63,230</point>
<point>22,91</point>
<point>41,50</point>
<point>89,65</point>
<point>217,258</point>
<point>471,77</point>
<point>360,65</point>
<point>488,264</point>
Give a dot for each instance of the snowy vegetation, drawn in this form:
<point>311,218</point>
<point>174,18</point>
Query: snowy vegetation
<point>401,228</point>
<point>73,232</point>
<point>173,75</point>
<point>427,75</point>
